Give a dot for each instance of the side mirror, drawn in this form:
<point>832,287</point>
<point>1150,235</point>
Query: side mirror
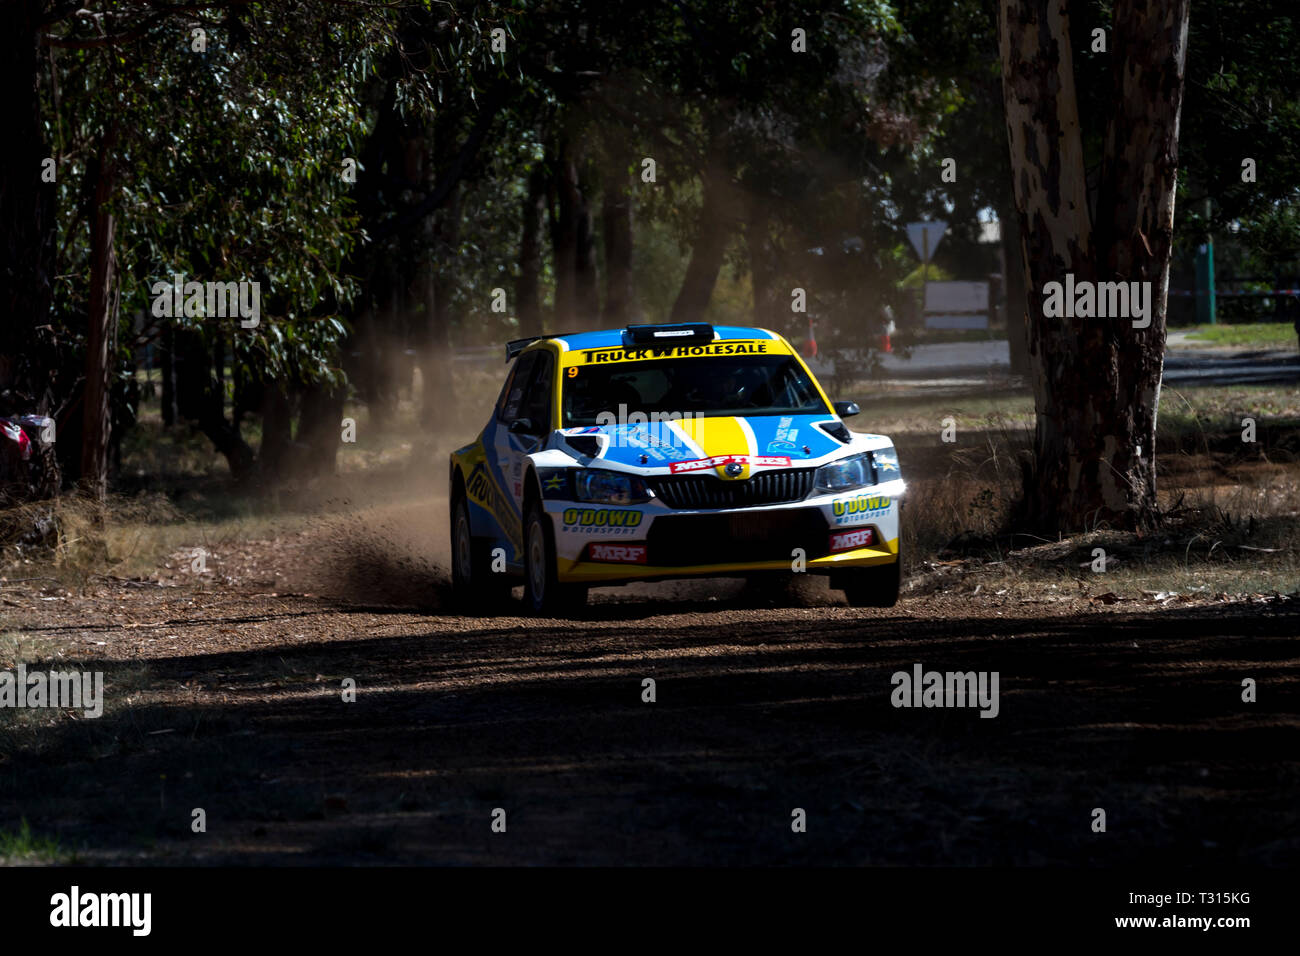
<point>522,426</point>
<point>846,409</point>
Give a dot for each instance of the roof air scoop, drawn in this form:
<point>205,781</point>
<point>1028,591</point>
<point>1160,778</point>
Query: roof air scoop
<point>683,333</point>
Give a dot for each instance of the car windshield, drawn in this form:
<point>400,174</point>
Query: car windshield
<point>724,385</point>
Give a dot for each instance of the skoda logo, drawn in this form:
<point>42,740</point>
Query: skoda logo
<point>733,470</point>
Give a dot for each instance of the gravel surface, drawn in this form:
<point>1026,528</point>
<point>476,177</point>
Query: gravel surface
<point>225,692</point>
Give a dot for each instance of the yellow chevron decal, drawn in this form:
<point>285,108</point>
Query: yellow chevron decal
<point>720,436</point>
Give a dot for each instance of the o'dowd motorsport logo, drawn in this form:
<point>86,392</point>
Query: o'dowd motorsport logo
<point>859,509</point>
<point>603,521</point>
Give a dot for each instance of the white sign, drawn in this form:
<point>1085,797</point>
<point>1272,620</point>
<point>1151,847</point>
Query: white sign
<point>990,232</point>
<point>957,321</point>
<point>925,236</point>
<point>958,296</point>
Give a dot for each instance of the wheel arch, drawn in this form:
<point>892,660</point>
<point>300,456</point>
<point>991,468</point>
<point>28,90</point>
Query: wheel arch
<point>532,491</point>
<point>455,481</point>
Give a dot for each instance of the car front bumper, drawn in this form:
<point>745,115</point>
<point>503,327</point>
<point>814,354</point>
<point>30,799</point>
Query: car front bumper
<point>615,544</point>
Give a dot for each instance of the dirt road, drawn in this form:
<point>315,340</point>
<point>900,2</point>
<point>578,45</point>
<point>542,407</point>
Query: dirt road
<point>226,693</point>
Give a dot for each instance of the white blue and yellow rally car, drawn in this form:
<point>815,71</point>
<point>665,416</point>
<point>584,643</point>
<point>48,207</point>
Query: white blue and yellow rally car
<point>668,451</point>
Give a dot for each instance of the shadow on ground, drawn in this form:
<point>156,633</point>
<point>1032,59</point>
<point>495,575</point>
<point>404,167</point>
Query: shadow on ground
<point>756,715</point>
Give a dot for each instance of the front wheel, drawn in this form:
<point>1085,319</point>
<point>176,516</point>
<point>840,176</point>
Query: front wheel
<point>873,587</point>
<point>543,593</point>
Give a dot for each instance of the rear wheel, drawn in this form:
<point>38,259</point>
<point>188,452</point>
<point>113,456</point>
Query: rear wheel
<point>543,593</point>
<point>474,585</point>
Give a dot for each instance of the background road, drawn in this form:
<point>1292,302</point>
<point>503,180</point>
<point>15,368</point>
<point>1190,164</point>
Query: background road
<point>958,364</point>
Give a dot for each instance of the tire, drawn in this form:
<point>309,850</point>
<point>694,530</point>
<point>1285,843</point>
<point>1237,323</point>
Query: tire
<point>475,587</point>
<point>543,593</point>
<point>873,587</point>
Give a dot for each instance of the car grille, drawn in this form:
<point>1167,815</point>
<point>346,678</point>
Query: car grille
<point>707,491</point>
<point>676,540</point>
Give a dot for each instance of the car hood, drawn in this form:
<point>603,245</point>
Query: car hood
<point>769,440</point>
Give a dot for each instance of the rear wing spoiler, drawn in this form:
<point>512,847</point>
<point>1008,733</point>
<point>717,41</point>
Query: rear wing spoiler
<point>515,346</point>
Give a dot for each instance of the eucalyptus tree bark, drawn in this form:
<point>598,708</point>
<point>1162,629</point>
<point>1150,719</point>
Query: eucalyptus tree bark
<point>761,271</point>
<point>165,360</point>
<point>716,223</point>
<point>1096,381</point>
<point>277,429</point>
<point>435,281</point>
<point>1013,285</point>
<point>528,298</point>
<point>573,237</point>
<point>439,283</point>
<point>586,276</point>
<point>199,400</point>
<point>564,236</point>
<point>101,344</point>
<point>318,427</point>
<point>616,231</point>
<point>27,212</point>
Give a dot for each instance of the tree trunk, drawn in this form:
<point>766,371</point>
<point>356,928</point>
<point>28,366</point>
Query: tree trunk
<point>1013,286</point>
<point>387,342</point>
<point>759,244</point>
<point>528,298</point>
<point>27,212</point>
<point>715,226</point>
<point>219,369</point>
<point>564,239</point>
<point>1136,210</point>
<point>616,226</point>
<point>1096,380</point>
<point>435,283</point>
<point>101,345</point>
<point>440,406</point>
<point>277,423</point>
<point>319,427</point>
<point>198,400</point>
<point>165,359</point>
<point>586,280</point>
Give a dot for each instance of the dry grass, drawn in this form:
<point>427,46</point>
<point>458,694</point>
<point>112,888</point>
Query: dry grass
<point>120,537</point>
<point>1236,539</point>
<point>1231,509</point>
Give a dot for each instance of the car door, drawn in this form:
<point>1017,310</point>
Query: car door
<point>522,426</point>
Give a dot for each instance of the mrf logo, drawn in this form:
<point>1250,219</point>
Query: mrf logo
<point>848,540</point>
<point>859,509</point>
<point>718,461</point>
<point>617,553</point>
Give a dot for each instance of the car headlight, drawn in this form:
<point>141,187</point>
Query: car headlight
<point>847,473</point>
<point>886,462</point>
<point>609,487</point>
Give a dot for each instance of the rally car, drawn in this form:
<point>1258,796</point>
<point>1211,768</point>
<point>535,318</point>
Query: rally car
<point>668,451</point>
